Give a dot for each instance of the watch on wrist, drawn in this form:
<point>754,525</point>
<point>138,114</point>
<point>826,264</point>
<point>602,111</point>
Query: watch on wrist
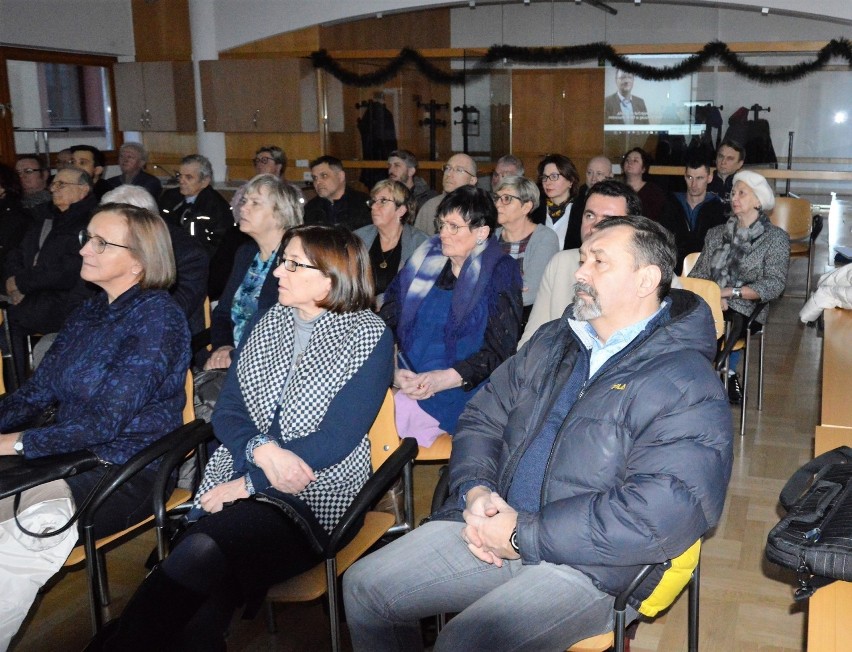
<point>737,293</point>
<point>18,446</point>
<point>513,541</point>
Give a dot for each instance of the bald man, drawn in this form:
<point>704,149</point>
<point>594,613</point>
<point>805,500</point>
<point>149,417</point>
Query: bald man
<point>460,170</point>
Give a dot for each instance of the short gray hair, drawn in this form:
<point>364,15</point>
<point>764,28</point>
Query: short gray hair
<point>136,147</point>
<point>133,195</point>
<point>524,188</point>
<point>405,156</point>
<point>205,167</point>
<point>511,159</point>
<point>288,205</point>
<point>653,244</point>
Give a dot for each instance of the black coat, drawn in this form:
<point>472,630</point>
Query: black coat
<point>144,180</point>
<point>350,210</point>
<point>207,219</point>
<point>46,275</point>
<point>14,221</point>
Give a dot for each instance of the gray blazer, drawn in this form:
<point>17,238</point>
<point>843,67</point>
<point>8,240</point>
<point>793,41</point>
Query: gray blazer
<point>764,269</point>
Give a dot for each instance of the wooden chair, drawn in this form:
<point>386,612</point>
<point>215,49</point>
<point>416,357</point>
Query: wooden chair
<point>99,597</point>
<point>712,295</point>
<point>390,455</point>
<point>689,262</point>
<point>795,216</point>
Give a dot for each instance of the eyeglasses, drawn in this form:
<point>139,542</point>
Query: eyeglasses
<point>59,185</point>
<point>29,171</point>
<point>384,201</point>
<point>452,229</point>
<point>505,199</point>
<point>554,176</point>
<point>457,169</point>
<point>99,245</point>
<point>263,160</point>
<point>291,265</point>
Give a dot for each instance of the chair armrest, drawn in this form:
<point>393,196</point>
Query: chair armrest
<point>635,583</point>
<point>194,439</point>
<point>378,483</point>
<point>118,476</point>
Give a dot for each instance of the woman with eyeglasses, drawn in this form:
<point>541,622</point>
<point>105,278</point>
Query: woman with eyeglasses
<point>115,376</point>
<point>560,183</point>
<point>268,208</point>
<point>455,310</point>
<point>306,384</point>
<point>531,244</point>
<point>390,239</point>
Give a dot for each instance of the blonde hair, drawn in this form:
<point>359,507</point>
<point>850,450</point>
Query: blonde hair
<point>149,240</point>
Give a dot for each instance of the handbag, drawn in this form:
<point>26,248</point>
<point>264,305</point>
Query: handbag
<point>17,474</point>
<point>815,537</point>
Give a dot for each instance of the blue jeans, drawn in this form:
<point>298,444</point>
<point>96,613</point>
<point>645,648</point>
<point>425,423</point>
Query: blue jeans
<point>430,571</point>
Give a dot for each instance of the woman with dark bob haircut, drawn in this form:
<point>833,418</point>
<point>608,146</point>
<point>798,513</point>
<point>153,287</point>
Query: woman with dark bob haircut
<point>455,309</point>
<point>306,383</point>
<point>635,165</point>
<point>116,375</point>
<point>560,183</point>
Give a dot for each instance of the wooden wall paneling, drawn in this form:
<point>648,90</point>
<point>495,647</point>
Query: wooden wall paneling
<point>557,111</point>
<point>536,118</point>
<point>168,148</point>
<point>582,111</point>
<point>300,41</point>
<point>161,30</point>
<point>429,28</point>
<point>241,147</point>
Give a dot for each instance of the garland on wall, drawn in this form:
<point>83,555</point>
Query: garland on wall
<point>600,52</point>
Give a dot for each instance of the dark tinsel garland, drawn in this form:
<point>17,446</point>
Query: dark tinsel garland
<point>840,48</point>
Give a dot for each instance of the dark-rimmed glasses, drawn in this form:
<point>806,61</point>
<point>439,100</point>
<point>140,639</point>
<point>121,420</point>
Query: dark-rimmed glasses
<point>99,245</point>
<point>384,201</point>
<point>553,176</point>
<point>505,199</point>
<point>291,265</point>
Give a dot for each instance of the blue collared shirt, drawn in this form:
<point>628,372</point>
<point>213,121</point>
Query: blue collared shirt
<point>600,352</point>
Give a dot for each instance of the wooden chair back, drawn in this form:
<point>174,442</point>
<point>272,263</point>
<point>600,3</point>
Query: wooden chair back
<point>794,215</point>
<point>712,294</point>
<point>689,262</point>
<point>384,439</point>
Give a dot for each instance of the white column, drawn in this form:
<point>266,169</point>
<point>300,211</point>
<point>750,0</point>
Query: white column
<point>202,26</point>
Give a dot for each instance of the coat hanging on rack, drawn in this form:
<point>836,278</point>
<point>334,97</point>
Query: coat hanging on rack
<point>378,138</point>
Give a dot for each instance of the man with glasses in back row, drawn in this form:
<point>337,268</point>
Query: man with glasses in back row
<point>40,274</point>
<point>33,173</point>
<point>460,170</point>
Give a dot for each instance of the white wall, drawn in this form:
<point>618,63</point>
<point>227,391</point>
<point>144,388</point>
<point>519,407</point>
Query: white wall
<point>242,21</point>
<point>93,26</point>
